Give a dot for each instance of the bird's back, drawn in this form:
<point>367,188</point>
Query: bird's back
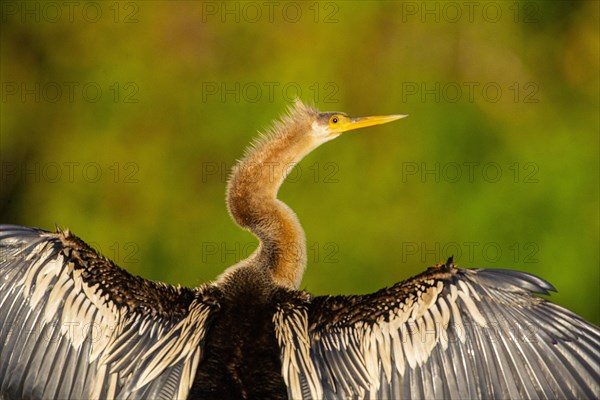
<point>241,354</point>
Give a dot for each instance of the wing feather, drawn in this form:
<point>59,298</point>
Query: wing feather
<point>447,333</point>
<point>75,325</point>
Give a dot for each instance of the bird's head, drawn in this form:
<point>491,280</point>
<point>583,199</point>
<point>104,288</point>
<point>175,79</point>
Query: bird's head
<point>329,125</point>
<point>304,128</point>
<point>319,127</point>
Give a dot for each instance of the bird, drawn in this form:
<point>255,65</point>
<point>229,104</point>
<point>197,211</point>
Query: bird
<point>75,325</point>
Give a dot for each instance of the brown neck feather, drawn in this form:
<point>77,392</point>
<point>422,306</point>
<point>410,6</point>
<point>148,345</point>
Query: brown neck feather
<point>252,197</point>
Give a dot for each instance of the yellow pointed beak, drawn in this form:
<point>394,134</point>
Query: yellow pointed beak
<point>348,124</point>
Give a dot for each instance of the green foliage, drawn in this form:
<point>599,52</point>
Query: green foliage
<point>497,164</point>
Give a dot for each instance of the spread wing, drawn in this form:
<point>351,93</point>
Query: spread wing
<point>448,333</point>
<point>75,325</point>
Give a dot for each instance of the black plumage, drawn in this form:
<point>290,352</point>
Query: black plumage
<point>241,346</point>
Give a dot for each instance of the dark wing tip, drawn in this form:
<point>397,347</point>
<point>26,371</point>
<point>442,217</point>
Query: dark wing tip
<point>508,279</point>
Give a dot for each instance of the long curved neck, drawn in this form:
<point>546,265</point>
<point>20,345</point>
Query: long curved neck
<point>253,204</point>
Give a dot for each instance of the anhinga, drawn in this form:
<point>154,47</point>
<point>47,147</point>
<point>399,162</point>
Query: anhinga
<point>75,325</point>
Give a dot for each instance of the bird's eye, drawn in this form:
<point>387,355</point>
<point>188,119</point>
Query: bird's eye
<point>334,120</point>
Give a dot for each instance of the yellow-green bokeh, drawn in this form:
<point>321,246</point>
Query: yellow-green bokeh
<point>139,167</point>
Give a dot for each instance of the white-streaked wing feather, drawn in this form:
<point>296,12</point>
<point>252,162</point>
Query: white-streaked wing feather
<point>67,331</point>
<point>449,333</point>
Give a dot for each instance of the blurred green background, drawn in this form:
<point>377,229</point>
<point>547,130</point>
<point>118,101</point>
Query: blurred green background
<point>121,121</point>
